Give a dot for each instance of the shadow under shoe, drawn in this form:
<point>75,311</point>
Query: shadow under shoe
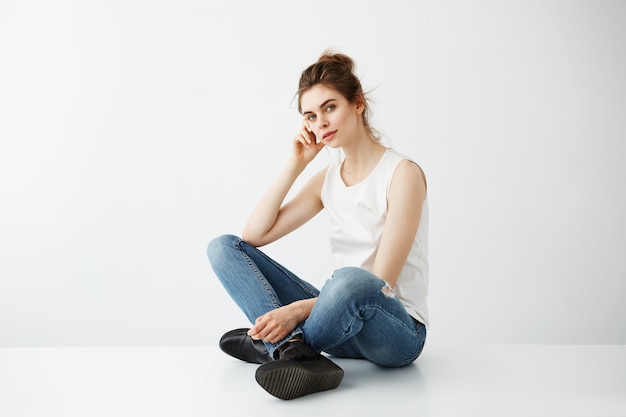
<point>238,344</point>
<point>298,371</point>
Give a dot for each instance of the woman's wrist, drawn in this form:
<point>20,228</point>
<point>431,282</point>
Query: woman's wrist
<point>295,165</point>
<point>303,308</point>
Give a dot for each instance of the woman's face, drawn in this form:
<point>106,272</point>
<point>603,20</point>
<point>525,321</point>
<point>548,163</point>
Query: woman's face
<point>329,115</point>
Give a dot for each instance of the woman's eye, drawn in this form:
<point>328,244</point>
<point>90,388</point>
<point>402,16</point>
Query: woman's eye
<point>311,117</point>
<point>330,108</point>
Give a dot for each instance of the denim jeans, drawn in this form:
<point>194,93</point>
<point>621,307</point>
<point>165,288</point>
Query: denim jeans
<point>355,316</point>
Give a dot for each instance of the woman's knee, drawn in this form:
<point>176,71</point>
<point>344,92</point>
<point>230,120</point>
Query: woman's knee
<point>354,277</point>
<point>353,283</point>
<point>218,245</point>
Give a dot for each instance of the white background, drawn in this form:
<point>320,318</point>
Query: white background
<point>134,131</point>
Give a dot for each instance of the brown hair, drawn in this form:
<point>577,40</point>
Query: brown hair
<point>336,71</point>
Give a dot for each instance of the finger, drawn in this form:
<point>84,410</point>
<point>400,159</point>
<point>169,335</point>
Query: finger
<point>300,138</point>
<point>255,331</point>
<point>273,332</point>
<point>262,334</point>
<point>268,338</point>
<point>266,332</point>
<point>306,135</point>
<point>274,337</point>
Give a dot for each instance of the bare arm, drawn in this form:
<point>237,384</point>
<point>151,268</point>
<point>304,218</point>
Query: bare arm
<point>271,219</point>
<point>406,196</point>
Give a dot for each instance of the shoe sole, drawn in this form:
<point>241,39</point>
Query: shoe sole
<point>289,379</point>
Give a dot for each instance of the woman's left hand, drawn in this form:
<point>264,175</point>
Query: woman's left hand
<point>275,325</point>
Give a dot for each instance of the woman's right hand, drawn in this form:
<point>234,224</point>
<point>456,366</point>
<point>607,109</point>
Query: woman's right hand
<point>304,146</point>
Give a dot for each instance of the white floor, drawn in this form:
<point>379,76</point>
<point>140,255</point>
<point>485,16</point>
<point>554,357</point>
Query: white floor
<point>485,380</point>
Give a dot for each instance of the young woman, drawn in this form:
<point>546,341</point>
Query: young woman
<point>374,306</point>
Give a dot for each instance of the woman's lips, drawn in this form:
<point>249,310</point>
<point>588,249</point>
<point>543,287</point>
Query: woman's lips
<point>329,135</point>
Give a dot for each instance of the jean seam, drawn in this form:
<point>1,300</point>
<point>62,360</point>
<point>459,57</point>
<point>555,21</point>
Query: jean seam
<point>258,273</point>
<point>277,266</point>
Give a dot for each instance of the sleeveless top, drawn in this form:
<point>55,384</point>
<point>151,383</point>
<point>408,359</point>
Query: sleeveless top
<point>357,219</point>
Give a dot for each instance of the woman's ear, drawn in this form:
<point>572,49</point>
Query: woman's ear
<point>359,104</point>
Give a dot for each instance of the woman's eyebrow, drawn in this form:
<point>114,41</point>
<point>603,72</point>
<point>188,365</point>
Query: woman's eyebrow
<point>321,105</point>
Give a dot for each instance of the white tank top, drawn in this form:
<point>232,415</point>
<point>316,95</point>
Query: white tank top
<point>357,218</point>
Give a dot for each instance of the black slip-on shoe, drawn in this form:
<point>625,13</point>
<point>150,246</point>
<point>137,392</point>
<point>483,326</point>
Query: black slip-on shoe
<point>238,344</point>
<point>298,371</point>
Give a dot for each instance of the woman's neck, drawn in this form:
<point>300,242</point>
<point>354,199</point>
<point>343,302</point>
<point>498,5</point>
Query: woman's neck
<point>360,159</point>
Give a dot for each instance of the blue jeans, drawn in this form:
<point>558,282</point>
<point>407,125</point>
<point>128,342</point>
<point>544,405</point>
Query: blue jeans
<point>355,316</point>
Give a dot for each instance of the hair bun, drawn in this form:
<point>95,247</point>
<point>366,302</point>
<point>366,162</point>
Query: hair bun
<point>330,56</point>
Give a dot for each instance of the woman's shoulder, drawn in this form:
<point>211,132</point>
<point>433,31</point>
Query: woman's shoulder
<point>406,168</point>
<point>398,156</point>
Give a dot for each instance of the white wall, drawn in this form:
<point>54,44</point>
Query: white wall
<point>134,131</point>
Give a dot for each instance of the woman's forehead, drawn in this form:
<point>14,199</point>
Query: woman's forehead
<point>315,96</point>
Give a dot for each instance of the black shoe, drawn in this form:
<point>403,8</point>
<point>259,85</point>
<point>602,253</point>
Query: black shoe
<point>238,344</point>
<point>298,371</point>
